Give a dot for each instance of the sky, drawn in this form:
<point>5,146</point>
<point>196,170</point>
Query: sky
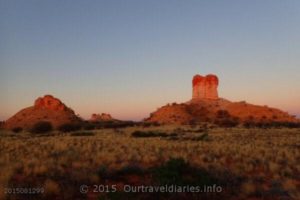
<point>128,58</point>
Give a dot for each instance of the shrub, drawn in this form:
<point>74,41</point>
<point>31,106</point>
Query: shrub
<point>102,171</point>
<point>176,171</point>
<point>17,129</point>
<point>146,125</point>
<point>148,134</point>
<point>289,124</point>
<point>171,172</point>
<point>114,124</point>
<point>224,119</point>
<point>89,127</point>
<point>149,124</point>
<point>249,124</point>
<point>270,124</point>
<point>69,127</point>
<point>130,169</point>
<point>42,127</point>
<point>227,122</point>
<point>222,114</point>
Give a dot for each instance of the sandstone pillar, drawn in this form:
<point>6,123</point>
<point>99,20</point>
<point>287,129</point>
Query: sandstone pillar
<point>205,87</point>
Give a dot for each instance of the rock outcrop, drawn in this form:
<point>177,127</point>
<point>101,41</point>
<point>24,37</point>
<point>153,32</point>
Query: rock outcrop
<point>47,108</point>
<point>171,114</point>
<point>50,102</point>
<point>205,106</point>
<point>101,117</point>
<point>205,87</point>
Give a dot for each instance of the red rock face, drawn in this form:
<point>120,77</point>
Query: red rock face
<point>49,102</point>
<point>47,108</point>
<point>101,117</point>
<point>205,87</point>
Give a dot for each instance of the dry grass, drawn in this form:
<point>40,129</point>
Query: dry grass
<point>267,160</point>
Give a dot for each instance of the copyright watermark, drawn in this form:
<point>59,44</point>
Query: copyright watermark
<point>84,189</point>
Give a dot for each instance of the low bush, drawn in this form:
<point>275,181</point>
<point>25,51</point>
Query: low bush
<point>176,171</point>
<point>147,134</point>
<point>249,124</point>
<point>222,114</point>
<point>69,127</point>
<point>102,172</point>
<point>89,127</point>
<point>113,124</point>
<point>224,119</point>
<point>149,124</point>
<point>130,169</point>
<point>120,124</point>
<point>270,124</point>
<point>227,122</point>
<point>41,127</point>
<point>17,129</point>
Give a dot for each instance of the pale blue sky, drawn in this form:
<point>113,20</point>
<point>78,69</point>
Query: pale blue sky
<point>130,57</point>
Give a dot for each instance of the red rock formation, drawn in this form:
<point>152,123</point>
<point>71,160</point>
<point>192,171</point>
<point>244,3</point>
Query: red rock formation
<point>101,117</point>
<point>49,102</point>
<point>205,87</point>
<point>47,108</point>
<point>202,109</point>
<point>206,111</point>
<point>171,114</point>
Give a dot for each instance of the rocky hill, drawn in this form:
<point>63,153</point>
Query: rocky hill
<point>206,106</point>
<point>101,117</point>
<point>47,108</point>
